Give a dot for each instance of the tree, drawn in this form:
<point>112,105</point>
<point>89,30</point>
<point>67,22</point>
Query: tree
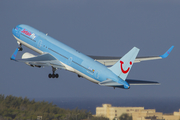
<point>125,116</point>
<point>18,108</point>
<point>99,118</point>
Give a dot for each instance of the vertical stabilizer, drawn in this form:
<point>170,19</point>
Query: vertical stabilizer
<point>123,66</point>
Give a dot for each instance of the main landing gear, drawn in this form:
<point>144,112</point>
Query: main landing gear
<point>53,75</point>
<point>20,46</point>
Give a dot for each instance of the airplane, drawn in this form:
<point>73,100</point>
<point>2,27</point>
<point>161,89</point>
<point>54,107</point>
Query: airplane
<point>105,71</point>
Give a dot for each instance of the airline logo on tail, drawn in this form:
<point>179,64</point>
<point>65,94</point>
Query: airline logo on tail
<point>123,66</point>
<point>125,71</point>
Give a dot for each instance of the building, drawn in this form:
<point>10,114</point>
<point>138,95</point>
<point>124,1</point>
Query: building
<point>137,113</point>
<point>114,112</point>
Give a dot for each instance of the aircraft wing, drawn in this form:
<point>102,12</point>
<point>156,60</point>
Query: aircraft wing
<point>109,61</point>
<point>39,61</point>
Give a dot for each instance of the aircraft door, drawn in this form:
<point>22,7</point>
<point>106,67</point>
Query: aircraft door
<point>97,74</point>
<point>39,44</point>
<point>70,61</point>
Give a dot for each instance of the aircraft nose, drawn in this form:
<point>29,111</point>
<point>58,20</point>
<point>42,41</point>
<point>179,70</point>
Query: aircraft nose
<point>16,31</point>
<point>13,31</point>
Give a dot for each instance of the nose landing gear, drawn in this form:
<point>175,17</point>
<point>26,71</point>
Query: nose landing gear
<point>20,46</point>
<point>53,75</point>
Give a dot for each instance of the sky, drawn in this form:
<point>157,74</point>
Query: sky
<point>93,27</point>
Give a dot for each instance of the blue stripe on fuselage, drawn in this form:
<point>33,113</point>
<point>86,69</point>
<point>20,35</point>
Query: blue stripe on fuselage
<point>66,54</point>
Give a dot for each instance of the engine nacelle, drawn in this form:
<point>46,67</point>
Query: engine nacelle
<point>27,55</point>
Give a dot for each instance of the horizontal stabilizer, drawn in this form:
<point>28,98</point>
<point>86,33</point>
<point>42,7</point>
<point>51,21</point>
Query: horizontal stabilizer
<point>109,83</point>
<point>141,82</point>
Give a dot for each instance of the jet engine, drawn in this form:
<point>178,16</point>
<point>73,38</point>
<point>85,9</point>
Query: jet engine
<point>27,55</point>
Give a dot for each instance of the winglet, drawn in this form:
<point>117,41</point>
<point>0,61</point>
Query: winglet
<point>167,52</point>
<point>14,54</point>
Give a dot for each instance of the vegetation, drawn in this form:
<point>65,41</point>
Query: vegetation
<point>99,118</point>
<point>18,108</point>
<point>125,116</point>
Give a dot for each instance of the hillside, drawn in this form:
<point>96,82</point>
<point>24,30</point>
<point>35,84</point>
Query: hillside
<point>18,108</point>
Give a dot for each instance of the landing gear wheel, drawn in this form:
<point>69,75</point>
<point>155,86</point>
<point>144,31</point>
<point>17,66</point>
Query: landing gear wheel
<point>53,75</point>
<point>49,75</point>
<point>20,48</point>
<point>57,75</point>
